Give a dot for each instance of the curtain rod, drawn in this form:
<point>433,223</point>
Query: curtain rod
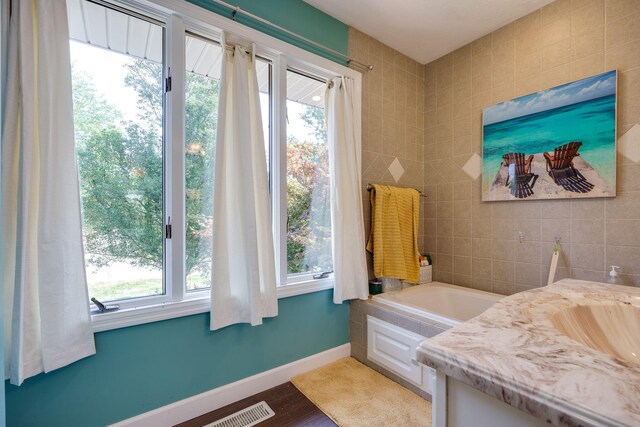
<point>236,10</point>
<point>370,187</point>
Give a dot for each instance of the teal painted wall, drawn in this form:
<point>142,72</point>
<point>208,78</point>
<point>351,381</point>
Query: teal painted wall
<point>294,15</point>
<point>143,367</point>
<point>3,51</point>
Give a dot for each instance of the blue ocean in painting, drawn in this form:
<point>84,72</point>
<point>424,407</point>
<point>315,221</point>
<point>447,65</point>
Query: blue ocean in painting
<point>590,120</point>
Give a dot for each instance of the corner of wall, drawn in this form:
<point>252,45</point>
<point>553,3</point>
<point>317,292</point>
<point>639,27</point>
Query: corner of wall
<point>475,243</point>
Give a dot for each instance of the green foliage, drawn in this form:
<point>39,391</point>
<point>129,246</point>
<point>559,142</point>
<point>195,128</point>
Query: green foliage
<point>298,203</point>
<point>120,165</point>
<point>91,111</point>
<point>200,129</point>
<point>121,198</point>
<point>308,220</point>
<point>314,117</point>
<point>109,291</point>
<point>121,169</point>
<point>145,77</point>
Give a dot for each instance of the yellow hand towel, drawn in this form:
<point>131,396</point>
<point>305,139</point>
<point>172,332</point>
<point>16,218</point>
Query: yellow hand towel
<point>394,232</point>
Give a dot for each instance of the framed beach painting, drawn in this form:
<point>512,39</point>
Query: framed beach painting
<point>554,144</point>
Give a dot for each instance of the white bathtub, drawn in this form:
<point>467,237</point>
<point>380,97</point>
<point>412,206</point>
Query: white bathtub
<point>441,302</point>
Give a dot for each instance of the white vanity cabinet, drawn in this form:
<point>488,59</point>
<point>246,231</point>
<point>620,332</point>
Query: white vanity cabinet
<point>455,404</point>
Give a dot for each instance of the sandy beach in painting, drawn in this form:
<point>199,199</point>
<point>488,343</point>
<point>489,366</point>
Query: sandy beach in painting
<point>544,186</point>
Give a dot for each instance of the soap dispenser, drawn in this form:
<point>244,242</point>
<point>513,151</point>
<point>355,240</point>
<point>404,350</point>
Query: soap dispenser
<point>614,277</point>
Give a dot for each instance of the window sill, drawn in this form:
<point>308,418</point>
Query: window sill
<point>308,286</point>
<point>171,310</point>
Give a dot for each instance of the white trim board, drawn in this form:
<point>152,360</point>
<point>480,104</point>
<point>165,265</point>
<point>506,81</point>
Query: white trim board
<point>194,406</point>
<point>187,307</point>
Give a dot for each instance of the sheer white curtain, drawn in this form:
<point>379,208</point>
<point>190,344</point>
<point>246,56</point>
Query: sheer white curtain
<point>343,111</point>
<point>243,265</point>
<point>46,306</point>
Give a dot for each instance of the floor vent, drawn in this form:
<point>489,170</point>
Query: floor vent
<point>247,417</point>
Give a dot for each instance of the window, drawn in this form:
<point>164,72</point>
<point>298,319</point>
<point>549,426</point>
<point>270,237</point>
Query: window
<point>117,100</point>
<point>146,134</point>
<point>203,68</point>
<point>308,203</point>
<point>202,78</point>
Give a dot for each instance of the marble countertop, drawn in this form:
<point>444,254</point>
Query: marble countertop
<point>513,353</point>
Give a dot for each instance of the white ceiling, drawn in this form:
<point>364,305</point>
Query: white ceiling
<point>427,29</point>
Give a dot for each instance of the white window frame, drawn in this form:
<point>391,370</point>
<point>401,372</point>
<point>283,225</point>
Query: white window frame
<point>302,280</point>
<point>154,16</point>
<point>179,17</point>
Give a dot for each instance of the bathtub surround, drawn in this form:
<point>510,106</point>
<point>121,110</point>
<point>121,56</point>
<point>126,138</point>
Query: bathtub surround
<point>629,144</point>
<point>358,332</point>
<point>425,310</point>
<point>392,123</point>
<point>432,307</point>
<point>473,167</point>
<point>487,353</point>
<point>477,244</point>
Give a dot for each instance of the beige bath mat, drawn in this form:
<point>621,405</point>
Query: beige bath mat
<point>354,395</point>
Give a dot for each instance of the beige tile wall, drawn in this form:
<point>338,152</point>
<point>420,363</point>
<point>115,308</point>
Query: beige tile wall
<point>392,118</point>
<point>477,244</point>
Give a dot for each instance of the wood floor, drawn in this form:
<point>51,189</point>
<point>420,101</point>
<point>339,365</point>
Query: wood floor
<point>292,409</point>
